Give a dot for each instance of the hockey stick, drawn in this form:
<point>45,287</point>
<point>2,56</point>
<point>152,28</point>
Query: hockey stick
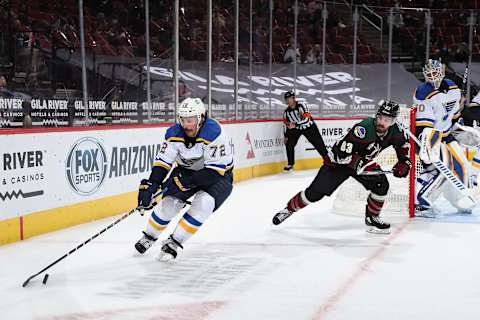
<point>362,172</point>
<point>374,172</point>
<point>88,240</point>
<point>464,81</point>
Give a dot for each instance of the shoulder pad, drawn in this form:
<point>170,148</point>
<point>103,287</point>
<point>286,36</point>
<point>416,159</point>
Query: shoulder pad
<point>175,133</point>
<point>451,84</point>
<point>360,130</point>
<point>423,91</point>
<point>210,131</point>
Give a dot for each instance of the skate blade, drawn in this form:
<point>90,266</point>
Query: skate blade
<point>378,231</point>
<point>425,215</point>
<point>165,257</point>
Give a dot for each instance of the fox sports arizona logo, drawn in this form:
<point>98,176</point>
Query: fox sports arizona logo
<point>86,166</point>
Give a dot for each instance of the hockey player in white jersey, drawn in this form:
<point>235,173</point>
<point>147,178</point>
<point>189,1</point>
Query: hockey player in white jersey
<point>204,159</point>
<point>439,104</point>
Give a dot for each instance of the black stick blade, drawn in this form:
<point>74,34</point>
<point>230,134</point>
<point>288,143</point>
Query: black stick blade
<point>45,278</point>
<point>27,281</point>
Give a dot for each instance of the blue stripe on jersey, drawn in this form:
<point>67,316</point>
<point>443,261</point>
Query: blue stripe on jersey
<point>192,220</point>
<point>210,130</point>
<point>449,82</point>
<point>221,166</point>
<point>158,220</point>
<point>174,131</point>
<point>423,91</point>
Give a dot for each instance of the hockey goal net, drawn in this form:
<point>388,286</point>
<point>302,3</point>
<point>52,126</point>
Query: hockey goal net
<point>351,197</point>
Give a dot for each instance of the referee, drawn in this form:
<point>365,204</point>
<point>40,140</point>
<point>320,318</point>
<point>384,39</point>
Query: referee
<point>298,121</point>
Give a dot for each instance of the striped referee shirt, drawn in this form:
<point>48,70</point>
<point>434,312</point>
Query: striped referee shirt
<point>298,115</point>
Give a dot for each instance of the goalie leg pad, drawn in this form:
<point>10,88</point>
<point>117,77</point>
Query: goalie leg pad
<point>457,162</point>
<point>427,187</point>
<point>459,201</point>
<point>430,142</point>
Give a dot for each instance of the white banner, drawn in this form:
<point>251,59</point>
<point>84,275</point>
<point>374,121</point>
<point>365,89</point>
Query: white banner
<point>50,170</point>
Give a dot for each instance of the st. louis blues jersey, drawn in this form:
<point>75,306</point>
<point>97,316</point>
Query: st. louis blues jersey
<point>209,149</point>
<point>437,108</point>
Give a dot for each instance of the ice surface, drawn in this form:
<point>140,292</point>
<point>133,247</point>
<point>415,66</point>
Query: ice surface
<point>316,265</point>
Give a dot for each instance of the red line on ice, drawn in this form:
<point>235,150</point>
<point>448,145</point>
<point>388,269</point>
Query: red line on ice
<point>197,311</point>
<point>364,266</point>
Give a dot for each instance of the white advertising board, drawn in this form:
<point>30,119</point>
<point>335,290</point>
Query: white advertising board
<point>49,170</point>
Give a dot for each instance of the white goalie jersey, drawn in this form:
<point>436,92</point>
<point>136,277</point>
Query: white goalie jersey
<point>437,109</point>
<point>209,149</point>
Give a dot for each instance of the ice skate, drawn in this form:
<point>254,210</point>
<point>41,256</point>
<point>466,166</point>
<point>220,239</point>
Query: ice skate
<point>169,249</point>
<point>281,216</point>
<point>464,211</point>
<point>424,212</point>
<point>287,168</point>
<point>376,224</point>
<point>144,243</point>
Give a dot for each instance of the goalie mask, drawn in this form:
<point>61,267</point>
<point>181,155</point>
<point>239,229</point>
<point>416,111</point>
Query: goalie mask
<point>191,114</point>
<point>434,72</point>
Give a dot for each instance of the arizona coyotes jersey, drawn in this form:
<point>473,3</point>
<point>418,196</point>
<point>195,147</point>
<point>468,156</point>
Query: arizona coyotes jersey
<point>209,149</point>
<point>437,108</point>
<point>364,141</point>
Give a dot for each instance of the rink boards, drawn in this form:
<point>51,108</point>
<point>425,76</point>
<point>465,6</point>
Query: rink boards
<point>55,178</point>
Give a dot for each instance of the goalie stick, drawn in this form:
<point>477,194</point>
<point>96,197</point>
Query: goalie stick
<point>444,170</point>
<point>464,81</point>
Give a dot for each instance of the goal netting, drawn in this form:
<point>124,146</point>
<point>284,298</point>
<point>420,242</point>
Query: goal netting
<point>351,197</point>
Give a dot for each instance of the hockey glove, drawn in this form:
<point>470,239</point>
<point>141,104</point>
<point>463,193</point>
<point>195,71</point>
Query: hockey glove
<point>401,168</point>
<point>178,183</point>
<point>356,163</point>
<point>329,159</point>
<point>145,194</point>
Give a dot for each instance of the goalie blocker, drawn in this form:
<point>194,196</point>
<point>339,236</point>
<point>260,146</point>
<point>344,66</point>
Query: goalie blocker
<point>348,157</point>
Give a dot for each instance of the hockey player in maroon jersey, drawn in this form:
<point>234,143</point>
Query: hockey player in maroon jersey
<point>351,155</point>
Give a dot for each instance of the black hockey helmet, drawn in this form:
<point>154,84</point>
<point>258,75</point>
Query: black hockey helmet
<point>289,94</point>
<point>388,108</point>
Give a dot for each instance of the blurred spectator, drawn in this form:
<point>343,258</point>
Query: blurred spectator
<point>461,53</point>
<point>314,7</point>
<point>3,83</point>
<point>397,19</point>
<point>439,4</point>
<point>419,48</point>
<point>27,118</point>
<point>314,55</point>
<point>290,56</point>
<point>183,90</point>
<point>442,51</point>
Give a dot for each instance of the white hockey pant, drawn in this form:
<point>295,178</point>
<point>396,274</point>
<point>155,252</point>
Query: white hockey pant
<point>201,208</point>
